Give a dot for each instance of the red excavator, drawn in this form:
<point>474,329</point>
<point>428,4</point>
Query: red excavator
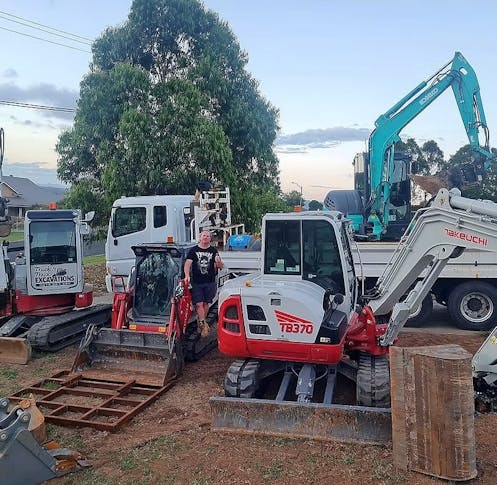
<point>298,322</point>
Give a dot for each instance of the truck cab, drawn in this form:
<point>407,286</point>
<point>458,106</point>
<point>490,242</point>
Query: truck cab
<point>146,219</point>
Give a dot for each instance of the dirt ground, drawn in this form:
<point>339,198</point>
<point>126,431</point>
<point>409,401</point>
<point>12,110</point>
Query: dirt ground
<point>172,442</point>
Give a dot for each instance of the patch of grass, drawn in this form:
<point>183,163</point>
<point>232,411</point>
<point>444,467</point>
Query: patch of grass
<point>162,446</point>
<point>349,460</point>
<point>8,382</point>
<point>14,236</point>
<point>47,356</point>
<point>88,477</point>
<point>200,481</point>
<point>92,260</point>
<point>128,461</point>
<point>8,374</point>
<point>312,459</point>
<point>386,473</point>
<point>279,441</point>
<point>50,386</point>
<point>271,472</point>
<point>67,438</point>
<point>153,450</point>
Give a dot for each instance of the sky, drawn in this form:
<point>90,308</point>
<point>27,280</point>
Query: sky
<point>330,68</point>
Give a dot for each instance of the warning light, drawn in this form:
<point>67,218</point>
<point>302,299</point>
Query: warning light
<point>52,206</point>
<point>170,239</point>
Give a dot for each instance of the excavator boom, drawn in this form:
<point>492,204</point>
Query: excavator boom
<point>438,233</point>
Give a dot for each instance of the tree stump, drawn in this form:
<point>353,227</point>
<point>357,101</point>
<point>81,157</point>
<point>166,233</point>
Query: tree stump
<point>433,430</point>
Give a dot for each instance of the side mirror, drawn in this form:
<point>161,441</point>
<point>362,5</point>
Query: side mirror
<point>84,229</point>
<point>89,216</point>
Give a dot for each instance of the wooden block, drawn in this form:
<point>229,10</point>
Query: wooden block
<point>433,411</point>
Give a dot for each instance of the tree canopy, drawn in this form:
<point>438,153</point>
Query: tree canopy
<point>169,102</point>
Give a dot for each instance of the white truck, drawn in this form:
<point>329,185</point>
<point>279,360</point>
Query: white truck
<point>161,219</point>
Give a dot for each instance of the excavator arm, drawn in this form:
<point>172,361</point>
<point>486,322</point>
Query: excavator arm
<point>460,76</point>
<point>438,233</point>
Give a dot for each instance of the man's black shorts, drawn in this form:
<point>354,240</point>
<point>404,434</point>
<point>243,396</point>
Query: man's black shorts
<point>203,292</point>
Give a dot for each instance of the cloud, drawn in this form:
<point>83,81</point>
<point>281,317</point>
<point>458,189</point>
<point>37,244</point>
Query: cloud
<point>42,93</point>
<point>322,138</point>
<point>10,73</point>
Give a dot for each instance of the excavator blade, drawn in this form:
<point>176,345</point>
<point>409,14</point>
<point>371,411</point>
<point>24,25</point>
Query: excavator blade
<point>14,350</point>
<point>354,424</point>
<point>120,355</point>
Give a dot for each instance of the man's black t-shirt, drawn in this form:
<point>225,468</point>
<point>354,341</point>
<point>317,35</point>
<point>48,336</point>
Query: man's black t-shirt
<point>203,264</point>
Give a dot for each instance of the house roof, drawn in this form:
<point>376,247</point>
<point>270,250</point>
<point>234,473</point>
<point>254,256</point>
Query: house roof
<point>29,193</point>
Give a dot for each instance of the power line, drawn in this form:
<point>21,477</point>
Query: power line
<point>45,40</point>
<point>46,26</point>
<point>46,31</point>
<point>37,106</point>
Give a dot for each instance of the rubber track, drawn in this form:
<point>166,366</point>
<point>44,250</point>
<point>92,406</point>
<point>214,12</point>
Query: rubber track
<point>194,346</point>
<point>58,331</point>
<point>242,379</point>
<point>373,381</point>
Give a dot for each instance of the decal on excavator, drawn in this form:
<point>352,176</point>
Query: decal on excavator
<point>292,324</point>
<point>466,237</point>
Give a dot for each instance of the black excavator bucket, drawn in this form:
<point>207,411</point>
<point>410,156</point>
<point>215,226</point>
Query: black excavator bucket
<point>148,358</point>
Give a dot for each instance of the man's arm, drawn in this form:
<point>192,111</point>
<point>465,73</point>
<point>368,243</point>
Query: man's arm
<point>218,262</point>
<point>188,265</point>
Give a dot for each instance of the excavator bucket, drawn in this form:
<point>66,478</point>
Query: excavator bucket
<point>25,456</point>
<point>148,358</point>
<point>14,350</point>
<point>353,424</point>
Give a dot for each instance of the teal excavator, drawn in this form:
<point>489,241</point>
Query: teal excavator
<point>380,204</point>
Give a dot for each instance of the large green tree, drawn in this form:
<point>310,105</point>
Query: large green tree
<point>169,102</point>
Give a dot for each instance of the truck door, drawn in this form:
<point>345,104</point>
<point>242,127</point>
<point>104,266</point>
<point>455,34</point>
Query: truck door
<point>128,227</point>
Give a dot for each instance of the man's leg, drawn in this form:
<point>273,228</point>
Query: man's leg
<point>201,311</point>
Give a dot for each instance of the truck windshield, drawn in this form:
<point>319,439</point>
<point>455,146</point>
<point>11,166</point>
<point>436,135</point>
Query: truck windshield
<point>127,220</point>
<point>52,242</point>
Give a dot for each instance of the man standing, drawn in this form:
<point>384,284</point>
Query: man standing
<point>203,260</point>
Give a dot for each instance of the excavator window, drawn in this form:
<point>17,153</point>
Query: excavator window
<point>52,242</point>
<point>322,263</point>
<point>282,251</point>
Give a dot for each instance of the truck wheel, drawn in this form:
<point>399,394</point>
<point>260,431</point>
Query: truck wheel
<point>373,381</point>
<point>473,305</point>
<point>421,315</point>
<point>242,379</point>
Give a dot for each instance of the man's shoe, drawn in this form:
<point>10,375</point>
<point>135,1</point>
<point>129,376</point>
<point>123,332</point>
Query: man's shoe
<point>204,328</point>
